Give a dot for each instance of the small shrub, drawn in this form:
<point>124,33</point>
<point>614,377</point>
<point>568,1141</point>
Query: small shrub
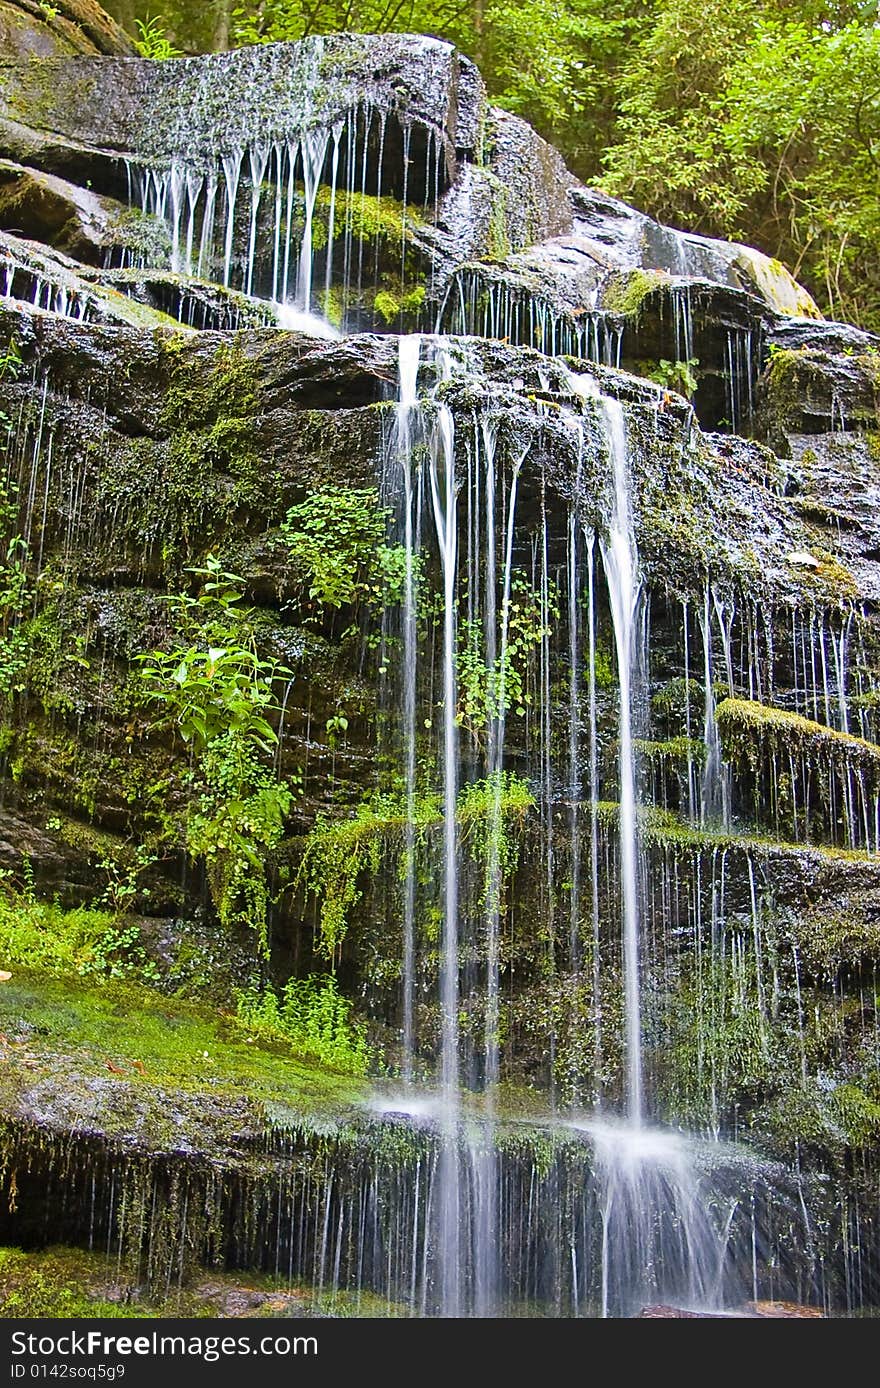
<point>313,1016</point>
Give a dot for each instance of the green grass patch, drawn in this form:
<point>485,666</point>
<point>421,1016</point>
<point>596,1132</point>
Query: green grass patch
<point>144,1041</point>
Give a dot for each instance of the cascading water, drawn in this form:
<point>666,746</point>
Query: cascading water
<point>653,1236</point>
<point>410,348</point>
<point>297,218</point>
<point>637,941</point>
<point>621,562</point>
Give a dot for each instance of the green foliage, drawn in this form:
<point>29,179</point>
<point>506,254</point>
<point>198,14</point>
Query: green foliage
<point>85,941</point>
<point>337,541</point>
<point>390,306</point>
<point>676,375</point>
<point>10,365</point>
<point>218,695</point>
<point>54,1283</point>
<point>491,815</point>
<point>313,1016</point>
<point>488,690</point>
<point>719,1051</point>
<point>338,853</point>
<point>154,42</point>
<point>10,360</point>
<point>760,123</point>
<point>15,594</point>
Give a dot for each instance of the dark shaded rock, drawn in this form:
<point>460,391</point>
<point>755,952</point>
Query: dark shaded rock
<point>194,303</point>
<point>795,334</point>
<point>809,390</point>
<point>21,840</point>
<point>49,281</point>
<point>834,486</point>
<point>44,208</point>
<point>31,30</point>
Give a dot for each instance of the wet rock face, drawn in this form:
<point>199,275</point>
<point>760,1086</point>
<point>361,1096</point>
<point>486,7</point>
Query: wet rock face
<point>398,117</point>
<point>43,208</point>
<point>31,30</point>
<point>253,95</point>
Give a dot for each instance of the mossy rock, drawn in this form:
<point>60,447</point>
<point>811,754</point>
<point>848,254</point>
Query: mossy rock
<point>31,30</point>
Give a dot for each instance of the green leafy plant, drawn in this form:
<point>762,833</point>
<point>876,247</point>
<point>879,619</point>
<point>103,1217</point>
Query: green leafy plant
<point>486,690</point>
<point>679,376</point>
<point>217,694</point>
<point>15,596</point>
<point>10,366</point>
<point>337,540</point>
<point>313,1016</point>
<point>86,941</point>
<point>124,871</point>
<point>154,42</point>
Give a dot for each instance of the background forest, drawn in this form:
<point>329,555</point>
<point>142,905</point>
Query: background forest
<point>757,120</point>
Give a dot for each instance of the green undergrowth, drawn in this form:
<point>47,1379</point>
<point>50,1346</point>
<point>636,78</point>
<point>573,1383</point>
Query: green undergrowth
<point>73,1284</point>
<point>83,942</point>
<point>313,1016</point>
<point>141,1039</point>
<point>62,1284</point>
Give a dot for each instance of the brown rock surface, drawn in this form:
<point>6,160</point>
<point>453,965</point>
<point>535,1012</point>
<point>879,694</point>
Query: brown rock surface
<point>31,30</point>
<point>59,214</point>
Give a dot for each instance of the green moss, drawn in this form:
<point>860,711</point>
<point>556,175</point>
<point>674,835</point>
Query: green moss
<point>498,245</point>
<point>790,375</point>
<point>156,1044</point>
<point>60,1283</point>
<point>626,293</point>
<point>663,829</point>
<point>339,852</point>
<point>72,1284</point>
<point>370,218</point>
<point>677,750</point>
<point>390,306</point>
<point>751,729</point>
<point>147,236</point>
<point>196,397</point>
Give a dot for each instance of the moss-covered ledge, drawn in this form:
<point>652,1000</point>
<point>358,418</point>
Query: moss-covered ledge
<point>751,730</point>
<point>153,1073</point>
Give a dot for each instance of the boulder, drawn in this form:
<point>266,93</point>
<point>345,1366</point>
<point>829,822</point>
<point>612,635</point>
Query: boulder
<point>59,214</point>
<point>29,29</point>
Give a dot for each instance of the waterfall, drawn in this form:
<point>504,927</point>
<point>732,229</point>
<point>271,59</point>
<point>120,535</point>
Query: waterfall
<point>274,235</point>
<point>409,352</point>
<point>437,429</point>
<point>621,563</point>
